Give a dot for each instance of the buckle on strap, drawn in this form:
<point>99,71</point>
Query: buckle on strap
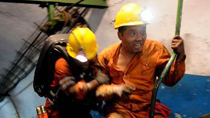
<point>53,96</point>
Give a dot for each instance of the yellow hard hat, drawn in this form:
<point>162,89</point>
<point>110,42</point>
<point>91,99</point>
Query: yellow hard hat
<point>128,15</point>
<point>82,39</point>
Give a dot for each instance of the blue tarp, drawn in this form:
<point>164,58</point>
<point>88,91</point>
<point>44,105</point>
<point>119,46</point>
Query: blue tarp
<point>190,98</point>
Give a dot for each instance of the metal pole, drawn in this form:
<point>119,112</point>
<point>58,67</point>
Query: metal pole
<point>171,60</point>
<point>179,17</point>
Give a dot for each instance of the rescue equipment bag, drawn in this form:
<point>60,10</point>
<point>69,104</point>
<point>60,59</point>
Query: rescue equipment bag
<point>52,50</point>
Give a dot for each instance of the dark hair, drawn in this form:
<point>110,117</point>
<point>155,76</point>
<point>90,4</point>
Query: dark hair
<point>122,29</point>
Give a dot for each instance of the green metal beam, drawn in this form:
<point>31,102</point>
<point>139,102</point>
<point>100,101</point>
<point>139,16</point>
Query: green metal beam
<point>85,3</point>
<point>51,10</point>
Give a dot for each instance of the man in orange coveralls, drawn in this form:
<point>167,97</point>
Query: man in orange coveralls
<point>76,96</point>
<point>133,65</point>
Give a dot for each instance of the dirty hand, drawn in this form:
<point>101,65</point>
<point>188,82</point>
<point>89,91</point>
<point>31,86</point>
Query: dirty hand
<point>80,89</point>
<point>66,83</point>
<point>104,92</point>
<point>178,46</point>
<point>123,90</point>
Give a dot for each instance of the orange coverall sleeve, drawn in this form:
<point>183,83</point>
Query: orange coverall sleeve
<point>102,61</point>
<point>61,70</point>
<point>177,69</point>
<point>104,92</point>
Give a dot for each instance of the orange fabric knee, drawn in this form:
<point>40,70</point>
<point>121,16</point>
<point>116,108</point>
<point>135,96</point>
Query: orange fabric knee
<point>115,115</point>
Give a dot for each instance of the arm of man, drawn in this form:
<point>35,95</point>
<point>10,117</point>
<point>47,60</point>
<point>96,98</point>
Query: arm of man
<point>63,76</point>
<point>66,81</point>
<point>177,69</point>
<point>100,79</point>
<point>108,91</point>
<point>104,91</point>
<point>79,89</point>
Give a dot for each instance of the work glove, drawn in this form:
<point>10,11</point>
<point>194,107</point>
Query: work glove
<point>66,83</point>
<point>177,45</point>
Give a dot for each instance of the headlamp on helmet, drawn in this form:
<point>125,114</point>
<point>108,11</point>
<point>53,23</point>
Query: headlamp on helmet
<point>147,15</point>
<point>81,56</point>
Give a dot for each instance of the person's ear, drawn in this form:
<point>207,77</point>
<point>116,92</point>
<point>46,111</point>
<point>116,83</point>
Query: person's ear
<point>119,35</point>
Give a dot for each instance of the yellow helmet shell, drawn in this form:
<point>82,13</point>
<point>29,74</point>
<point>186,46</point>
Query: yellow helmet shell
<point>128,15</point>
<point>82,39</point>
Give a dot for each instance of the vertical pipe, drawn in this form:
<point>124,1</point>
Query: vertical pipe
<point>171,60</point>
<point>179,17</point>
